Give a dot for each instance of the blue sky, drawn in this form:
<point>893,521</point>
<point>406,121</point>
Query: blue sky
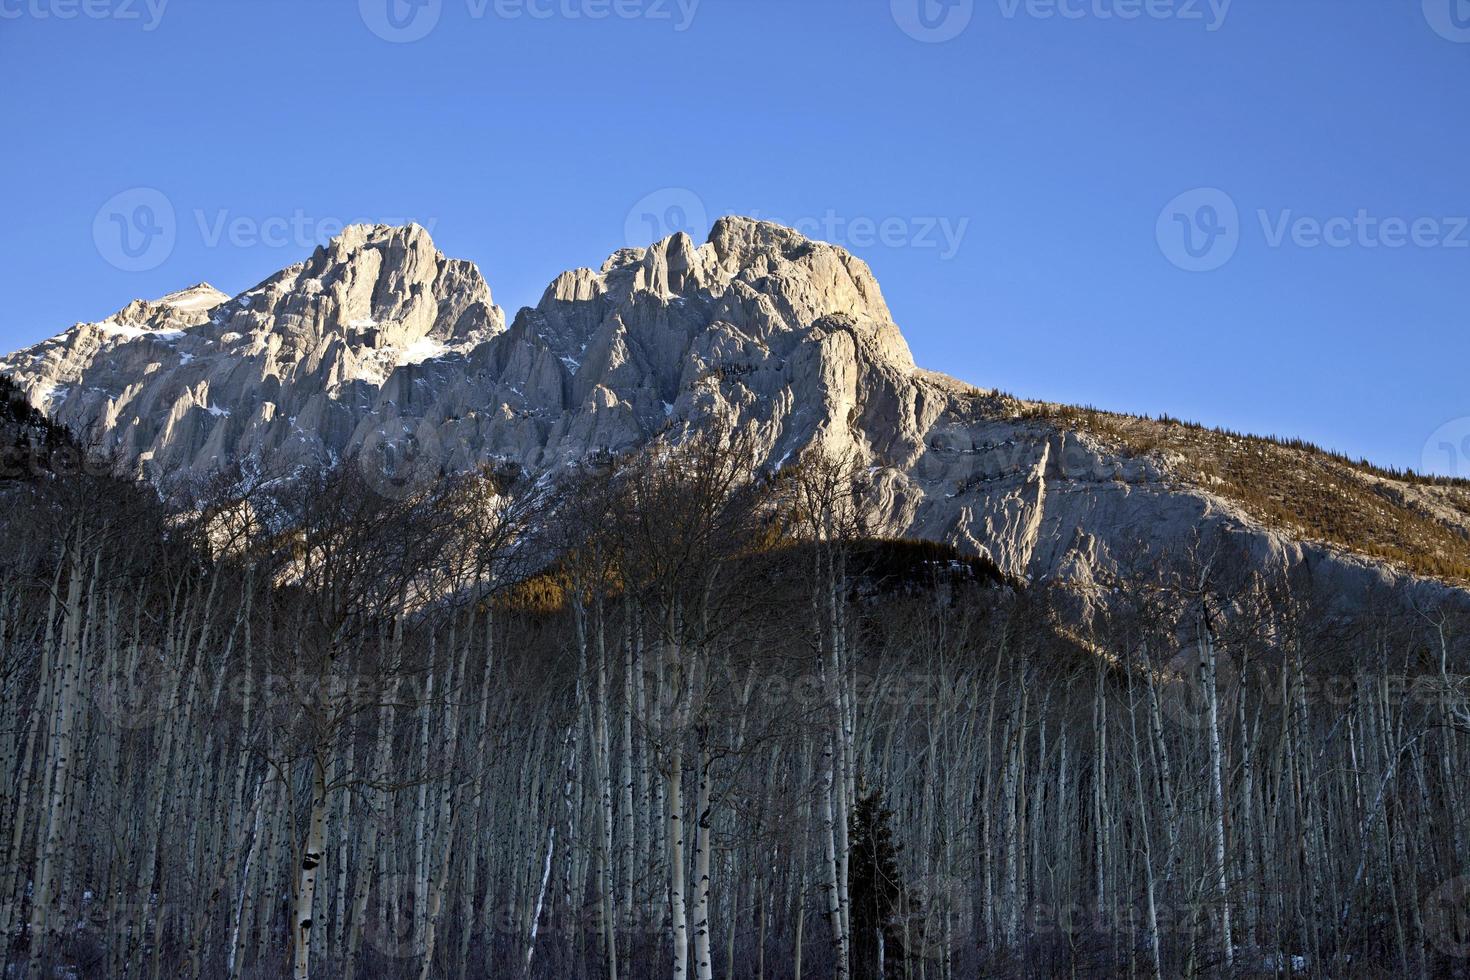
<point>1249,213</point>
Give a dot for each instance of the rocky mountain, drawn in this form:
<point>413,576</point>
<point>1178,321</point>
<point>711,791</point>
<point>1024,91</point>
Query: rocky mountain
<point>378,345</point>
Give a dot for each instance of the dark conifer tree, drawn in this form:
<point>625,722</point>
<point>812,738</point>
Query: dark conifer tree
<point>879,899</point>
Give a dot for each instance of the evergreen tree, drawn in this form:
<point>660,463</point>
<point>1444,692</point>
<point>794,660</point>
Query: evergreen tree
<point>879,899</point>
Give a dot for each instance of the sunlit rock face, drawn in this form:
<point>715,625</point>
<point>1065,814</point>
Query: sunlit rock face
<point>758,329</point>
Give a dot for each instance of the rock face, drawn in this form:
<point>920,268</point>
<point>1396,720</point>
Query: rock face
<point>759,328</point>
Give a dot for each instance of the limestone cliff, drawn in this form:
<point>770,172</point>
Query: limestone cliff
<point>378,335</point>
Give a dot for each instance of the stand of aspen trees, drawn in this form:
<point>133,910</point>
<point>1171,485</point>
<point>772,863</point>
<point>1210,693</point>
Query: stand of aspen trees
<point>668,720</point>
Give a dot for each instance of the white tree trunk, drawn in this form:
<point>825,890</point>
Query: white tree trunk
<point>826,790</point>
<point>311,866</point>
<point>703,961</point>
<point>1217,791</point>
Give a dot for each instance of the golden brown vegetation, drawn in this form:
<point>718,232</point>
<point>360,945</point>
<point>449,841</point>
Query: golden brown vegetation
<point>1415,521</point>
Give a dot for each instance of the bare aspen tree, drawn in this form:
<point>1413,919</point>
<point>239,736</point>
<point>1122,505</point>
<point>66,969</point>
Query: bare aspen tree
<point>1217,793</point>
<point>621,737</point>
<point>59,753</point>
<point>1152,939</point>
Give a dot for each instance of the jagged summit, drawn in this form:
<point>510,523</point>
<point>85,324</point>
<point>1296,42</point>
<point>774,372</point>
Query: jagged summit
<point>758,328</point>
<point>378,324</point>
<point>200,296</point>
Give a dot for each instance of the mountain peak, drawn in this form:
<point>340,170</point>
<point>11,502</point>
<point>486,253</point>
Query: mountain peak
<point>200,296</point>
<point>354,237</point>
<point>806,281</point>
<point>733,231</point>
<point>387,283</point>
<point>759,329</point>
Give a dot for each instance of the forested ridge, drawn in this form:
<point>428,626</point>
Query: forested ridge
<point>672,716</point>
<point>1413,521</point>
<point>29,441</point>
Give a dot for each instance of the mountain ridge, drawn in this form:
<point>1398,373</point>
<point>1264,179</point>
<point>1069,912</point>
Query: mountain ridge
<point>379,340</point>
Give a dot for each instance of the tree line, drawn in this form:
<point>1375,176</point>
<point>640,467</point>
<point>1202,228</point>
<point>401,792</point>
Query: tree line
<point>673,716</point>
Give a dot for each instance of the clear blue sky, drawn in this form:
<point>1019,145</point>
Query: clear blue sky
<point>1008,174</point>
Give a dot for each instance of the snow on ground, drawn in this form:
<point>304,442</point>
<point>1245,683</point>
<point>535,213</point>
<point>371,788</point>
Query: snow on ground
<point>47,395</point>
<point>375,365</point>
<point>114,329</point>
<point>196,298</point>
<point>423,349</point>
